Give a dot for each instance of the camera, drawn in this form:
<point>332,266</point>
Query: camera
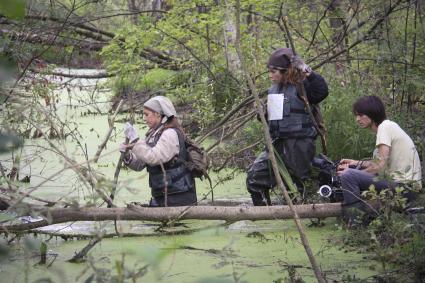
<point>329,181</point>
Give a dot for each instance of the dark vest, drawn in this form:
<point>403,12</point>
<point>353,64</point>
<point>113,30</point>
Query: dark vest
<point>296,121</point>
<point>178,180</point>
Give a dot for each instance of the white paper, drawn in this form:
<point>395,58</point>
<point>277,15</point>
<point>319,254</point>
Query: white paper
<point>275,106</point>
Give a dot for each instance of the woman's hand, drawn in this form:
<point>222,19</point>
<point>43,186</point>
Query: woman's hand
<point>124,147</point>
<point>130,132</point>
<point>300,65</point>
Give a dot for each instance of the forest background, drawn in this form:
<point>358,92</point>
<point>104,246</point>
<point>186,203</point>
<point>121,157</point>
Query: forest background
<point>360,48</point>
<point>194,52</point>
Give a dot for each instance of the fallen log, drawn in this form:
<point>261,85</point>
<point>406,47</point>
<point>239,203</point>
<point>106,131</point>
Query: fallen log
<point>137,213</point>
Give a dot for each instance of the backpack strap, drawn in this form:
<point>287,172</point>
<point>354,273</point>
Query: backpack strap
<point>182,144</point>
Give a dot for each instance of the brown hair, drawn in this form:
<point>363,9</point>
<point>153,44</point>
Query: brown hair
<point>172,122</point>
<point>291,76</point>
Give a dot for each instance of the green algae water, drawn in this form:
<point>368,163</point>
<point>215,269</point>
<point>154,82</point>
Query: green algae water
<point>244,251</point>
<point>192,251</point>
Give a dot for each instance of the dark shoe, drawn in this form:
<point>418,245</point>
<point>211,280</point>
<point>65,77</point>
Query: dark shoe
<point>153,203</point>
<point>260,199</point>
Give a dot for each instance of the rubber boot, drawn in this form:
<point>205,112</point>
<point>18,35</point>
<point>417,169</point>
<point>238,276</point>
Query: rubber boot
<point>260,198</point>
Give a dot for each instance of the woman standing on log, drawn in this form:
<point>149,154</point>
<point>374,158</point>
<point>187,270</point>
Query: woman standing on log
<point>163,153</point>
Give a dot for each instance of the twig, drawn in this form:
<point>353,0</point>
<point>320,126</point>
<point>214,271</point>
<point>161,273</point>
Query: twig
<point>111,122</point>
<point>80,256</point>
<point>116,174</point>
<point>74,165</point>
<point>232,112</point>
<point>211,147</point>
<point>122,155</point>
<point>366,35</point>
<point>239,151</point>
<point>3,174</point>
<point>165,184</point>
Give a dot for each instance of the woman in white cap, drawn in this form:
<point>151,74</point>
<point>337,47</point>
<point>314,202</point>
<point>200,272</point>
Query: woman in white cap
<point>163,153</point>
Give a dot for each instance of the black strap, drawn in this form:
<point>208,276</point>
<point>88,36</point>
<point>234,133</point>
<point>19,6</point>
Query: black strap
<point>298,111</point>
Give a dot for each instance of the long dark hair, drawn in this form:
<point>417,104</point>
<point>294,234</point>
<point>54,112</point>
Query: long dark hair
<point>291,76</point>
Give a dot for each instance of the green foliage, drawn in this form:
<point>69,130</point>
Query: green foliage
<point>192,34</point>
<point>345,138</point>
<point>394,239</point>
<point>143,82</point>
<point>252,132</point>
<point>412,122</point>
<point>224,91</point>
<point>13,9</point>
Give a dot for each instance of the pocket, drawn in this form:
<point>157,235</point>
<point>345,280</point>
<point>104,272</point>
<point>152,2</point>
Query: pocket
<point>290,126</point>
<point>286,108</point>
<point>157,184</point>
<point>179,186</point>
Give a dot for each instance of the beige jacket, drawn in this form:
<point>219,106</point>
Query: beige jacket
<point>142,154</point>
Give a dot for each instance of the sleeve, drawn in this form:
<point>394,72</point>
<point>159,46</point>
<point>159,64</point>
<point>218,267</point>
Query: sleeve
<point>383,135</point>
<point>316,88</point>
<point>166,149</point>
<point>133,163</point>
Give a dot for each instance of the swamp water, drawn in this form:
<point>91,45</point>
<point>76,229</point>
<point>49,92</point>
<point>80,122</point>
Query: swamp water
<point>192,251</point>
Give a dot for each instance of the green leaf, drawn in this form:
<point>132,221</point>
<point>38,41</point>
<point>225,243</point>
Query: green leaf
<point>13,9</point>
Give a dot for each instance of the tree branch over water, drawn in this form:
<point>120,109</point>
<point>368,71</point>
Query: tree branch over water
<point>137,213</point>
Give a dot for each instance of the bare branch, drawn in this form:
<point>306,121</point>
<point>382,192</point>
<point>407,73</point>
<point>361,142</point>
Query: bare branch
<point>111,122</point>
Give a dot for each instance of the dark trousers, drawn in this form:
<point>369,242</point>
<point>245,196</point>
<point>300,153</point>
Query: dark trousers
<point>177,199</point>
<point>296,154</point>
<point>355,181</point>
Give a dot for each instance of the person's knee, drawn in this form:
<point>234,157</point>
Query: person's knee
<point>249,180</point>
<point>349,177</point>
<point>350,186</point>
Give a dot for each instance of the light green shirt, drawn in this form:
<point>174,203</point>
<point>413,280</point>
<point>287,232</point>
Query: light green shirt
<point>403,164</point>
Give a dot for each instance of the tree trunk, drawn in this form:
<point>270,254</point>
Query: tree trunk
<point>339,38</point>
<point>61,215</point>
<point>132,7</point>
<point>423,151</point>
<point>233,62</point>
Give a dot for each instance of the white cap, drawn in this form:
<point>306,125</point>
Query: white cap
<point>161,105</point>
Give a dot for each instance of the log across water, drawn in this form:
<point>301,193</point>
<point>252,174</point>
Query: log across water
<point>138,213</point>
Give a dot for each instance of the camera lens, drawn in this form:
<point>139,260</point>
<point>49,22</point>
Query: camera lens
<point>325,191</point>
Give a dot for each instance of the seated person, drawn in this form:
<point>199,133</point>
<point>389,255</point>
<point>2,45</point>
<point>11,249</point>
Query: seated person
<point>395,156</point>
<point>162,152</point>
